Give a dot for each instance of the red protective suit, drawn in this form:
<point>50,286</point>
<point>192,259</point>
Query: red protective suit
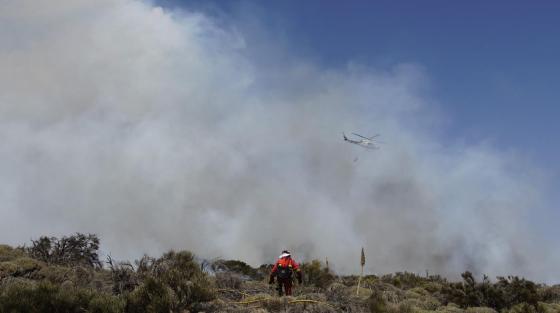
<point>283,270</point>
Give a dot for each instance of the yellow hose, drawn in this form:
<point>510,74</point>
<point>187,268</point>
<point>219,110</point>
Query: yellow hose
<point>239,292</point>
<point>310,301</point>
<point>289,302</point>
<point>248,301</point>
<point>255,300</point>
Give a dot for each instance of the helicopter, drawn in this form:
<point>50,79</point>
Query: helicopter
<point>363,141</point>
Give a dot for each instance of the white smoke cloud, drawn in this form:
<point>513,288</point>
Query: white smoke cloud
<point>157,130</point>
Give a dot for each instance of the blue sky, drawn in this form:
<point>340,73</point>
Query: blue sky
<point>493,66</point>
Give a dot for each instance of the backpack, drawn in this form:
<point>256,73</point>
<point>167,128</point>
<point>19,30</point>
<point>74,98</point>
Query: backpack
<point>284,272</point>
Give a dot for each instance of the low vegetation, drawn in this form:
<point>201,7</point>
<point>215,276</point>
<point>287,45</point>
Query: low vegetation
<point>66,275</point>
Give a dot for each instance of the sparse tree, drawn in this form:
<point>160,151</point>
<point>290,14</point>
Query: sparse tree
<point>78,249</point>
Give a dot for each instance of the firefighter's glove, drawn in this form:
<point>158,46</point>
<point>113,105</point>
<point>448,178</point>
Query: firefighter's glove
<point>271,281</point>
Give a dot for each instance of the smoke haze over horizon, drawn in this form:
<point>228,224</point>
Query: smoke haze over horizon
<point>159,130</point>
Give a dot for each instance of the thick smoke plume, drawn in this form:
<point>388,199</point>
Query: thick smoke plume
<point>157,130</point>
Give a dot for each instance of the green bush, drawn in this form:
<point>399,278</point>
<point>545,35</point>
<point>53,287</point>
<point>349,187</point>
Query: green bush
<point>549,307</point>
<point>123,276</point>
<point>504,294</point>
<point>77,276</point>
<point>20,267</point>
<point>182,274</point>
<point>153,296</point>
<point>376,303</point>
<point>405,307</point>
<point>522,308</point>
<point>550,294</point>
<point>8,253</point>
<point>316,274</point>
<point>27,297</point>
<point>417,292</point>
<point>56,274</point>
<point>518,290</point>
<point>434,287</point>
<point>369,281</point>
<point>104,303</point>
<point>480,310</point>
<point>450,308</point>
<point>404,280</point>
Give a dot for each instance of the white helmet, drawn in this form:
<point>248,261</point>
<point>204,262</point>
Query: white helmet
<point>284,254</point>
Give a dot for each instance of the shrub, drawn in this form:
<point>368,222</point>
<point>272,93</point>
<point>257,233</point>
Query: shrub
<point>8,253</point>
<point>77,276</point>
<point>376,303</point>
<point>550,294</point>
<point>152,296</point>
<point>316,274</point>
<point>504,294</point>
<point>548,307</point>
<point>123,276</point>
<point>433,287</point>
<point>47,297</point>
<point>404,280</point>
<point>417,292</point>
<point>104,303</point>
<point>405,307</point>
<point>56,274</point>
<point>264,270</point>
<point>228,280</point>
<point>480,310</point>
<point>238,267</point>
<point>517,290</point>
<point>522,308</point>
<point>450,308</point>
<point>19,267</point>
<point>430,303</point>
<point>182,274</point>
<point>78,249</point>
<point>369,281</point>
<point>473,296</point>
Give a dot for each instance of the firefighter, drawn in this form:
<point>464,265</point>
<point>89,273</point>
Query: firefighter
<point>283,270</point>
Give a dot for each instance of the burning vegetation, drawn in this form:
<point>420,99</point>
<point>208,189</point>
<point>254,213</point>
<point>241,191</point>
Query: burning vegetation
<point>67,275</point>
